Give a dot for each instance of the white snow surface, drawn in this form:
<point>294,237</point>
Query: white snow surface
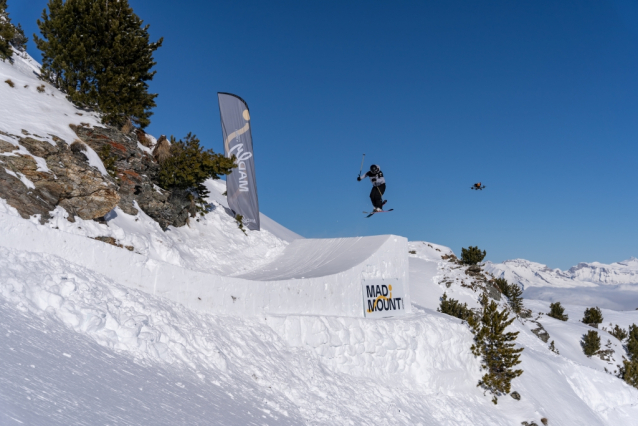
<point>76,347</point>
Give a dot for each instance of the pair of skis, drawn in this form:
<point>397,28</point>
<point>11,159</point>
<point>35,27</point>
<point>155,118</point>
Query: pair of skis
<point>381,211</point>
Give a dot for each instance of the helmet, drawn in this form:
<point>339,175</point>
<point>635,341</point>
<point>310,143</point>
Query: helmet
<point>374,169</point>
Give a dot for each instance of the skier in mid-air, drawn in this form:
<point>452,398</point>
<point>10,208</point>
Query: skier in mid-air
<point>378,187</point>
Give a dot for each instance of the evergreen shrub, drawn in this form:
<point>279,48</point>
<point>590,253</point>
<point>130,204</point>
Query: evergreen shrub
<point>240,223</point>
<point>513,293</point>
<point>100,54</point>
<point>454,308</point>
<point>7,32</point>
<point>19,40</point>
<point>591,343</point>
<point>619,333</point>
<point>630,372</point>
<point>472,255</point>
<point>189,165</point>
<point>496,347</point>
<point>557,311</point>
<point>632,342</point>
<point>593,316</point>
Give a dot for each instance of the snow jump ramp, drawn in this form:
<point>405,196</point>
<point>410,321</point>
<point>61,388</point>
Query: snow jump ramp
<point>338,276</point>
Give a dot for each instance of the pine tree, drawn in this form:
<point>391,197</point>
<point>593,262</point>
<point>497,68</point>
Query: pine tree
<point>189,165</point>
<point>98,52</point>
<point>502,285</point>
<point>7,32</point>
<point>557,311</point>
<point>632,342</point>
<point>619,333</point>
<point>472,255</point>
<point>513,293</point>
<point>591,343</point>
<point>496,347</point>
<point>19,40</point>
<point>454,308</point>
<point>593,316</point>
<point>515,298</point>
<point>630,372</point>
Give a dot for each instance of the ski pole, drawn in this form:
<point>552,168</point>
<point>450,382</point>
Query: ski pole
<point>380,194</point>
<point>361,168</point>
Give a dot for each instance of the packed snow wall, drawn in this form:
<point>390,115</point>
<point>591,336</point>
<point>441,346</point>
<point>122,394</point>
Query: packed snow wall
<point>318,277</point>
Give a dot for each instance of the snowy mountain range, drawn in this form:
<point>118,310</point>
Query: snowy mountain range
<point>613,286</point>
<point>531,274</point>
<point>97,325</point>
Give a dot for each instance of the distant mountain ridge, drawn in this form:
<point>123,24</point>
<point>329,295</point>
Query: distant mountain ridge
<point>532,274</point>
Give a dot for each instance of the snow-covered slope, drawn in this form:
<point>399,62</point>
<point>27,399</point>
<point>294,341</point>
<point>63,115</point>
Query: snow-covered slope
<point>38,108</point>
<point>76,346</point>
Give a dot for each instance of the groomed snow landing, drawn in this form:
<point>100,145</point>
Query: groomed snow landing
<point>317,258</point>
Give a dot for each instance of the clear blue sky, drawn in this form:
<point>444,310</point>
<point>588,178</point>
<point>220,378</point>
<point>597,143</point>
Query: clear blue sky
<point>536,99</point>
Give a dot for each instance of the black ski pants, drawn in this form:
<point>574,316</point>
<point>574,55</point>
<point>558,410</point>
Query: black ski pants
<point>376,195</point>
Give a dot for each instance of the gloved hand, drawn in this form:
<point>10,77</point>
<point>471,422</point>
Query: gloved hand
<point>359,178</point>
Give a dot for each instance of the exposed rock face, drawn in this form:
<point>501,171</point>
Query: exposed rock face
<point>540,332</point>
<point>493,291</point>
<point>473,270</point>
<point>80,188</point>
<point>136,170</point>
<point>71,183</point>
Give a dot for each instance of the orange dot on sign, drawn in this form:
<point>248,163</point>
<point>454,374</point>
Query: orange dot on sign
<point>390,287</point>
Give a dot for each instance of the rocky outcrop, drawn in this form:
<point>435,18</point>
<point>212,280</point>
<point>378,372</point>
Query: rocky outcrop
<point>70,182</point>
<point>135,172</point>
<point>493,291</point>
<point>540,332</point>
<point>81,189</point>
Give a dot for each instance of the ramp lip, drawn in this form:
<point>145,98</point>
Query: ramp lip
<point>289,258</point>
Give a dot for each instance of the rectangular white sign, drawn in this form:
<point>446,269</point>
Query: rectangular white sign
<point>383,298</point>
